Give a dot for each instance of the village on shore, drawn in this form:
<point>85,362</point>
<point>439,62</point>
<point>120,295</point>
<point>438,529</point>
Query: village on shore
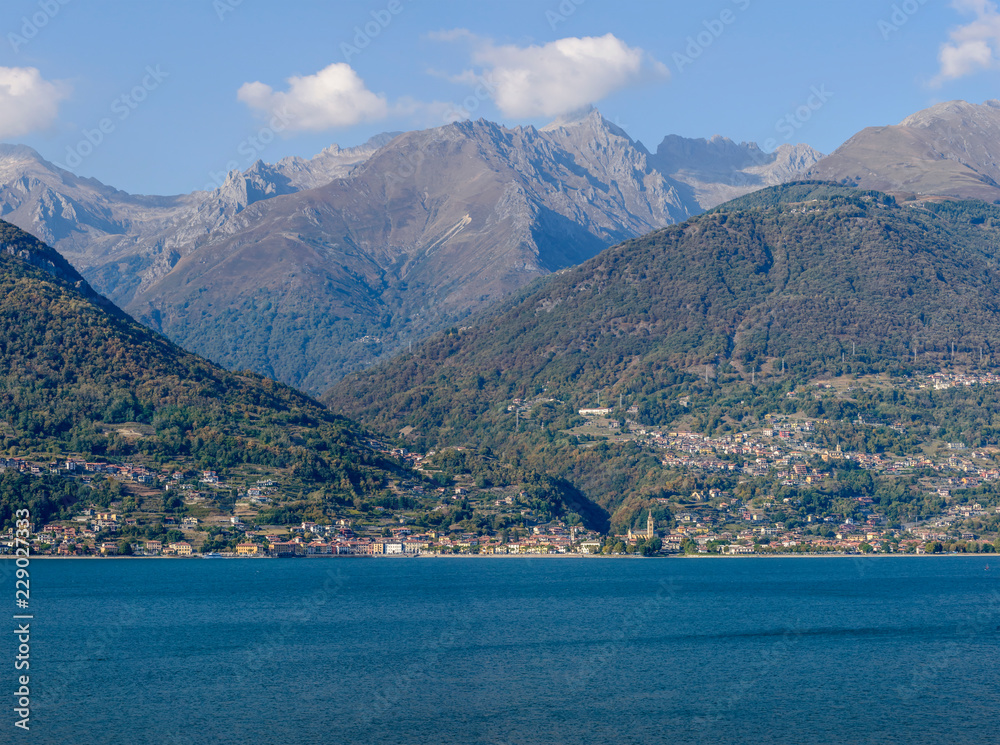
<point>176,512</point>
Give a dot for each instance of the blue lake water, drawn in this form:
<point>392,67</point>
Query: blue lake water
<point>883,650</point>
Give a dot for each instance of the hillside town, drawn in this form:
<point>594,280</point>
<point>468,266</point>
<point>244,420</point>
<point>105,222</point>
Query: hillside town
<point>97,532</point>
<point>783,448</point>
<point>177,512</point>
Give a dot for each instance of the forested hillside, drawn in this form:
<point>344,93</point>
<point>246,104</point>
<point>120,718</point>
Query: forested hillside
<point>72,367</point>
<point>79,377</point>
<point>778,287</point>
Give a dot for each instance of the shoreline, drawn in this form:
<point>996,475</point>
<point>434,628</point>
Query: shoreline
<point>517,556</point>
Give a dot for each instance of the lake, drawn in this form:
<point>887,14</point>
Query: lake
<point>541,650</point>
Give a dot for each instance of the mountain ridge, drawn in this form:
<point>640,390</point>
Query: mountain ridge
<point>743,305</point>
<point>951,149</point>
<point>740,286</point>
<point>374,246</point>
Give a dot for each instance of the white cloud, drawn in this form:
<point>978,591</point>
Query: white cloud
<point>28,102</point>
<point>333,97</point>
<point>972,47</point>
<point>558,77</point>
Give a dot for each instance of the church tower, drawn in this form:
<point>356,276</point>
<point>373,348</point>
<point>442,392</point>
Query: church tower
<point>650,526</point>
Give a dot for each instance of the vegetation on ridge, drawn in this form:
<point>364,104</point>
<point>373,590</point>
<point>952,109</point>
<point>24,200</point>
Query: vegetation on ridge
<point>731,310</point>
<point>79,377</point>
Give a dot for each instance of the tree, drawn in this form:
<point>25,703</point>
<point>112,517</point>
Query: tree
<point>652,547</point>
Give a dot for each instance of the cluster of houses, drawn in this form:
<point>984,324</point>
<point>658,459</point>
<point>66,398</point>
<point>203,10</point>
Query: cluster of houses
<point>127,472</point>
<point>309,540</point>
<point>81,539</point>
<point>718,523</point>
<point>941,381</point>
<point>784,451</point>
<point>341,540</point>
<point>706,527</point>
<point>715,522</point>
<point>84,536</point>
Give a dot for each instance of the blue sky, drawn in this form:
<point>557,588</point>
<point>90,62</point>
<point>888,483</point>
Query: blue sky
<point>163,97</point>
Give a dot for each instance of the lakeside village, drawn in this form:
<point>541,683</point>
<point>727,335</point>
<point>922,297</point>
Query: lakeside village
<point>707,521</point>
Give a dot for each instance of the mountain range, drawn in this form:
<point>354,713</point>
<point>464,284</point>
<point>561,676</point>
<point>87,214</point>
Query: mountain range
<point>304,270</point>
<point>281,269</point>
<point>951,149</point>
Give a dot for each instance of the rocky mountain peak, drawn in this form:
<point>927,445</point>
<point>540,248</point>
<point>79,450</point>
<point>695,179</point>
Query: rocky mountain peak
<point>586,120</point>
<point>260,181</point>
<point>20,153</point>
<point>333,162</point>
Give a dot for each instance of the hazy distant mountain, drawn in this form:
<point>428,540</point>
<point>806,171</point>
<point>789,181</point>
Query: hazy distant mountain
<point>307,269</point>
<point>122,241</point>
<point>952,149</point>
<point>332,163</point>
<point>82,217</point>
<point>716,170</point>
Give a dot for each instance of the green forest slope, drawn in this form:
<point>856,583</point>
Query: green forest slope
<point>812,278</point>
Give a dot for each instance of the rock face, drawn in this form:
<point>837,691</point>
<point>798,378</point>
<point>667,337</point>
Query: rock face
<point>334,162</point>
<point>305,270</point>
<point>951,149</point>
<point>90,223</point>
<point>710,172</point>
